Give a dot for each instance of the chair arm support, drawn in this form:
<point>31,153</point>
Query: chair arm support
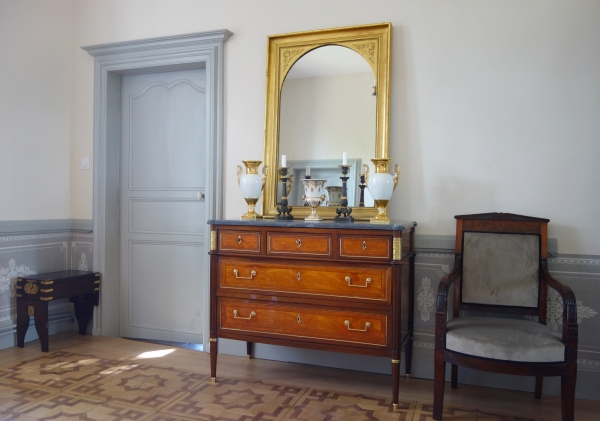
<point>441,312</point>
<point>445,284</point>
<point>570,326</point>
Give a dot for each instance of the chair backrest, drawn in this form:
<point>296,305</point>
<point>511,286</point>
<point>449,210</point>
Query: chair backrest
<point>501,255</point>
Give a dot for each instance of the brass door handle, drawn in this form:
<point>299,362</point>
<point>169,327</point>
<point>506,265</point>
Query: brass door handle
<point>367,325</point>
<point>299,242</point>
<point>349,280</point>
<point>235,315</point>
<point>235,272</point>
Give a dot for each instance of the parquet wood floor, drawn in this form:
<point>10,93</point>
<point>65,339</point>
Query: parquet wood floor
<point>109,379</point>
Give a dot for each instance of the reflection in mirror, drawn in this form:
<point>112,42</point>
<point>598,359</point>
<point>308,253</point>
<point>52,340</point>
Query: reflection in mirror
<point>328,107</point>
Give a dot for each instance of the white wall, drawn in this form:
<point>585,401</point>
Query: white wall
<point>495,105</point>
<point>36,70</point>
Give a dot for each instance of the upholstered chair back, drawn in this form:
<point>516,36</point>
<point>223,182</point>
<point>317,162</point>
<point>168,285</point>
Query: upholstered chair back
<point>501,269</point>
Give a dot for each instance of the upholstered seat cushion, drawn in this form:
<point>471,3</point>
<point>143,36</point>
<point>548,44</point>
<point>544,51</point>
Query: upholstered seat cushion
<point>504,339</point>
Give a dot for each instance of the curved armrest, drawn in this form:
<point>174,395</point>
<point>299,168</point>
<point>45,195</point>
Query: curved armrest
<point>444,288</point>
<point>570,327</point>
<point>441,310</point>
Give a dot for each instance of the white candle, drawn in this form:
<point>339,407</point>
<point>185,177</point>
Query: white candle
<point>308,170</point>
<point>344,158</point>
<point>283,161</point>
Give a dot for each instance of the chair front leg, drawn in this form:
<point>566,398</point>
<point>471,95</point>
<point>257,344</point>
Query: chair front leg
<point>454,376</point>
<point>567,396</point>
<point>539,383</point>
<point>439,381</point>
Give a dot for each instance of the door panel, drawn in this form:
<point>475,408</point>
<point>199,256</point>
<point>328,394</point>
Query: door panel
<point>163,173</point>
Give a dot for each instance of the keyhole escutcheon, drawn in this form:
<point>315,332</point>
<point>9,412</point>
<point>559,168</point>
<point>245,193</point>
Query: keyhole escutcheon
<point>364,246</point>
<point>298,318</point>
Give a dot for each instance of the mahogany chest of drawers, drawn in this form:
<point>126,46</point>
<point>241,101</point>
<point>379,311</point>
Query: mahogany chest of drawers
<point>329,286</point>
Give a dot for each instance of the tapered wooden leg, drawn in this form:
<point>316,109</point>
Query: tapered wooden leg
<point>408,354</point>
<point>41,323</point>
<point>567,396</point>
<point>454,376</point>
<point>22,322</point>
<point>213,359</point>
<point>249,348</point>
<point>539,383</point>
<point>439,381</point>
<point>395,382</point>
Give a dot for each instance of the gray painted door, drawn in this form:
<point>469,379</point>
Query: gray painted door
<point>163,175</point>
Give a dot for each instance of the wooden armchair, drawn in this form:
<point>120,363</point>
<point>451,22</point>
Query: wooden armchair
<point>501,267</point>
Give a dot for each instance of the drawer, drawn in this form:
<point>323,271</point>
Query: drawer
<point>244,241</point>
<point>368,283</point>
<point>304,322</point>
<point>358,246</point>
<point>299,244</point>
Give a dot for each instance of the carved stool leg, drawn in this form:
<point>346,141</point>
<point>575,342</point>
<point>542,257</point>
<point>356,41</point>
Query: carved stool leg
<point>40,316</point>
<point>84,310</point>
<point>22,321</point>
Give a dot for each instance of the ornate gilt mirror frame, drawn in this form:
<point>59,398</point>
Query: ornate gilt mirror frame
<point>373,43</point>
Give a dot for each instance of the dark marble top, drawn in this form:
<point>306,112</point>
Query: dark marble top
<point>301,223</point>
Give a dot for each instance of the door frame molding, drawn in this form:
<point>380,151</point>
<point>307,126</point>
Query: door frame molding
<point>111,61</point>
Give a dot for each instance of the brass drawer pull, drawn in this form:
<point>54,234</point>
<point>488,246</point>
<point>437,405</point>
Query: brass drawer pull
<point>239,239</point>
<point>348,279</point>
<point>235,272</point>
<point>299,242</point>
<point>235,315</point>
<point>298,276</point>
<point>364,246</point>
<point>367,326</point>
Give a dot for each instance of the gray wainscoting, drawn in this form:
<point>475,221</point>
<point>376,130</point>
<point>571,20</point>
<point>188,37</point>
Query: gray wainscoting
<point>44,246</point>
<point>30,247</point>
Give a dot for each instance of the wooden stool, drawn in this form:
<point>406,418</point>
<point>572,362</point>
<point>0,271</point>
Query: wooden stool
<point>35,291</point>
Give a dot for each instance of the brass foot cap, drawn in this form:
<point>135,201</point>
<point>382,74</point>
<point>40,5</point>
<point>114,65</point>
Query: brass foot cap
<point>213,380</point>
<point>408,376</point>
<point>395,406</point>
<point>248,356</point>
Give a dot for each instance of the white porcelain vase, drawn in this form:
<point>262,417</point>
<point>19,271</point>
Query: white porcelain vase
<point>251,183</point>
<point>381,185</point>
<point>314,195</point>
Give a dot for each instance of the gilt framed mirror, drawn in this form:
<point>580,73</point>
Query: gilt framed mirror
<point>327,93</point>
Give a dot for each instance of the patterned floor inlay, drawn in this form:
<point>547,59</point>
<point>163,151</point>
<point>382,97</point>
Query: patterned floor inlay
<point>139,385</point>
<point>65,407</point>
<point>56,371</point>
<point>424,412</point>
<point>64,386</point>
<point>231,399</point>
<point>319,405</point>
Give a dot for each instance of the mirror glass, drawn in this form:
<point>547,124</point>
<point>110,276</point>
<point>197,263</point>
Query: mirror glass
<point>328,106</point>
